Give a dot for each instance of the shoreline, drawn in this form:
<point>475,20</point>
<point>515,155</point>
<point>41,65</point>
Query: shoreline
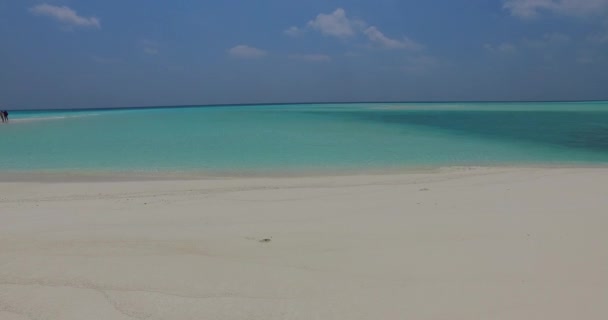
<point>51,176</point>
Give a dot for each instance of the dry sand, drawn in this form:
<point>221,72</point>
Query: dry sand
<point>459,243</point>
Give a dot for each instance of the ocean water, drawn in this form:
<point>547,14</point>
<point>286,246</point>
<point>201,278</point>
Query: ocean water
<point>332,137</point>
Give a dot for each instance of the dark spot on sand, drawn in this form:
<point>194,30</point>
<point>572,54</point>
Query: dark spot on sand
<point>265,240</point>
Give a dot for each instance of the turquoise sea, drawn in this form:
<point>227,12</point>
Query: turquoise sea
<point>268,138</point>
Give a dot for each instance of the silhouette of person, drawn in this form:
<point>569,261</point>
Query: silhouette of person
<point>5,115</point>
<point>2,116</point>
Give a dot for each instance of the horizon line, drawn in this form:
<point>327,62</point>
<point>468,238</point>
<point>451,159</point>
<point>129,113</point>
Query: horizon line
<point>292,103</point>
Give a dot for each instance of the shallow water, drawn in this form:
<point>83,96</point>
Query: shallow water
<point>307,137</point>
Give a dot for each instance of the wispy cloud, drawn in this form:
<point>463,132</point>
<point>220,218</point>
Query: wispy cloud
<point>594,13</point>
<point>338,24</point>
<point>377,37</point>
<point>311,57</point>
<point>65,15</point>
<point>246,52</point>
<point>533,8</point>
<point>335,24</point>
<point>293,31</point>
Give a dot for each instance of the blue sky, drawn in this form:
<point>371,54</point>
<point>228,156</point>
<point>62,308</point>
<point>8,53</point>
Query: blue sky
<point>78,54</point>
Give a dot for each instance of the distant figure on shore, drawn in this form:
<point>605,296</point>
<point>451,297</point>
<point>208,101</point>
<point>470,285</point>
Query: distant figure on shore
<point>4,115</point>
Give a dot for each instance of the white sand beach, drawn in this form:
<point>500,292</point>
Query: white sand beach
<point>457,243</point>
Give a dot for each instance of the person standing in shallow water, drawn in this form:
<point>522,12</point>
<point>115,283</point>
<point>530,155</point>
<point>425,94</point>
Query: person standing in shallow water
<point>2,116</point>
<point>5,115</point>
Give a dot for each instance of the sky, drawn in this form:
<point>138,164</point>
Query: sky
<point>101,54</point>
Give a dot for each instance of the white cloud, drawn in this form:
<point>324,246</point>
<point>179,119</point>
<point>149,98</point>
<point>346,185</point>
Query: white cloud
<point>334,24</point>
<point>311,57</point>
<point>376,36</point>
<point>246,52</point>
<point>527,8</point>
<point>293,31</point>
<point>532,8</point>
<point>338,24</point>
<point>65,15</point>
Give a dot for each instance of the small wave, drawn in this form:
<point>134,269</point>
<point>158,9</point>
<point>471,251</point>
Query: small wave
<point>50,118</point>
